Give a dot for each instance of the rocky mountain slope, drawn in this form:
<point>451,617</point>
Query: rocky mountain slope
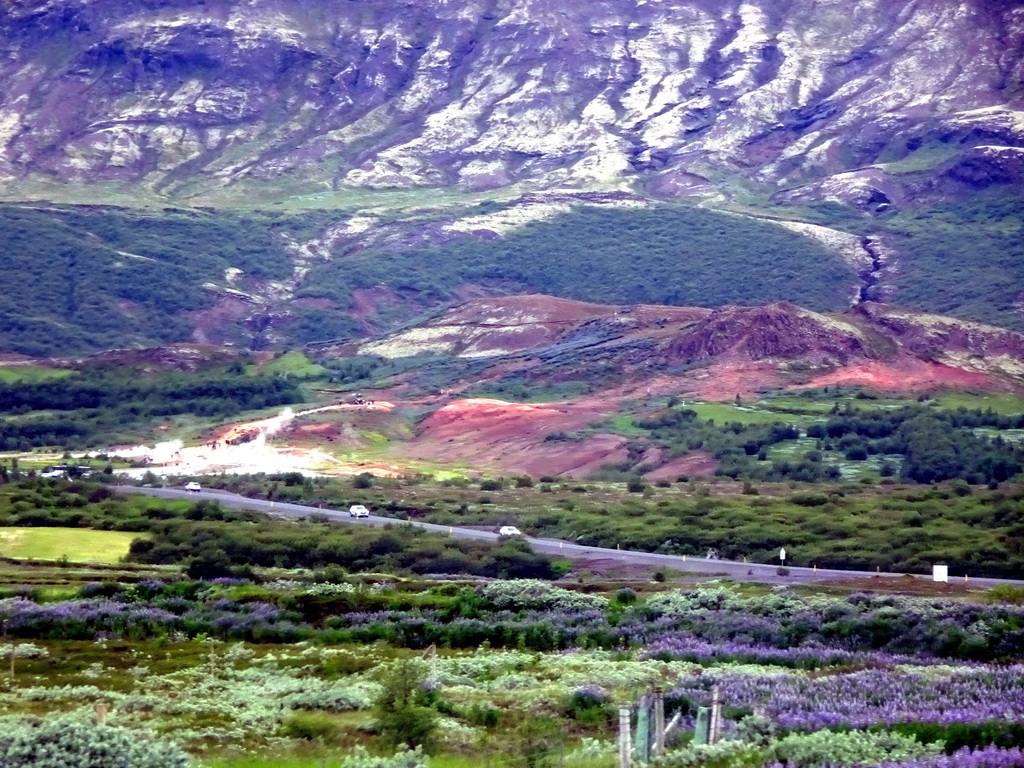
<point>714,353</point>
<point>875,102</point>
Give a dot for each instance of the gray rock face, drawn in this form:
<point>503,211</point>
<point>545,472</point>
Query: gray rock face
<point>867,101</point>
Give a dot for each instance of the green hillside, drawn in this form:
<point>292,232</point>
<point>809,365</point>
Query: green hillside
<point>88,278</point>
<point>668,255</point>
<point>85,279</point>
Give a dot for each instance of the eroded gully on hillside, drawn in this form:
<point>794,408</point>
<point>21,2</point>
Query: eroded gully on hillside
<point>871,275</point>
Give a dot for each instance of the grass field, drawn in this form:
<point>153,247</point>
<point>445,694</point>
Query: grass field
<point>724,413</point>
<point>294,363</point>
<point>79,545</point>
<point>1000,403</point>
<point>11,373</point>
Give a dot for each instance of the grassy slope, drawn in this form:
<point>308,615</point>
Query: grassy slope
<point>90,279</point>
<point>965,259</point>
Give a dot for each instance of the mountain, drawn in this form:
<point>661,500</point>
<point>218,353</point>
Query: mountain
<point>272,173</point>
<point>870,102</point>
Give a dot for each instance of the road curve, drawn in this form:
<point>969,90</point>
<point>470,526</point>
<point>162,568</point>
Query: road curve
<point>733,569</point>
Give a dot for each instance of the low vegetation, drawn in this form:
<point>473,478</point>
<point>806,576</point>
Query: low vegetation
<point>961,257</point>
<point>919,443</point>
<point>676,255</point>
<point>467,673</point>
<point>95,405</point>
<point>92,278</point>
<point>214,541</point>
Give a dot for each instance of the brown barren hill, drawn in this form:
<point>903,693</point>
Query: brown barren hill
<point>515,437</point>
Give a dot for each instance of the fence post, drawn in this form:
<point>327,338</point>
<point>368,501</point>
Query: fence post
<point>625,759</point>
<point>659,722</point>
<point>716,715</point>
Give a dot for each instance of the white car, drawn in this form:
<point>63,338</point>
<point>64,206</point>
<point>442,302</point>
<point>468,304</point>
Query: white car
<point>358,510</point>
<point>509,530</point>
<point>194,487</point>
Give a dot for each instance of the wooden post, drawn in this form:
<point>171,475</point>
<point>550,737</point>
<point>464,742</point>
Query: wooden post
<point>101,712</point>
<point>716,715</point>
<point>659,723</point>
<point>625,748</point>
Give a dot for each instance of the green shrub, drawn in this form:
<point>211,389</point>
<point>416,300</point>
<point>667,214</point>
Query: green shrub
<point>404,758</point>
<point>636,485</point>
<point>828,748</point>
<point>1007,593</point>
<point>725,754</point>
<point>67,743</point>
<point>311,726</point>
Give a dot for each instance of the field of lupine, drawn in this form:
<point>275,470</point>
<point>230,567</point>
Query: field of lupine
<point>299,672</point>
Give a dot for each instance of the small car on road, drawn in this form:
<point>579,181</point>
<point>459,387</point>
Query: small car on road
<point>194,487</point>
<point>509,530</point>
<point>358,510</point>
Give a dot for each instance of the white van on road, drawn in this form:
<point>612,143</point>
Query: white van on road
<point>194,487</point>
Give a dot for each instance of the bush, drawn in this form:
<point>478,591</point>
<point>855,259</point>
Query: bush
<point>625,596</point>
<point>1007,593</point>
<point>589,705</point>
<point>636,485</point>
<point>404,758</point>
<point>67,743</point>
<point>725,754</point>
<point>826,748</point>
<point>311,726</point>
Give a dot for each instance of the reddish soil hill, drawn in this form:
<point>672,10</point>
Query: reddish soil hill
<point>716,353</point>
<point>516,437</point>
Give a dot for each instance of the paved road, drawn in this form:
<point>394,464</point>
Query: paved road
<point>731,568</point>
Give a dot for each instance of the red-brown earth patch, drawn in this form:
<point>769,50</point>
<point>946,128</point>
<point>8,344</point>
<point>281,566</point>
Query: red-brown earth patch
<point>907,375</point>
<point>723,381</point>
<point>692,464</point>
<point>511,437</point>
<point>210,323</point>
